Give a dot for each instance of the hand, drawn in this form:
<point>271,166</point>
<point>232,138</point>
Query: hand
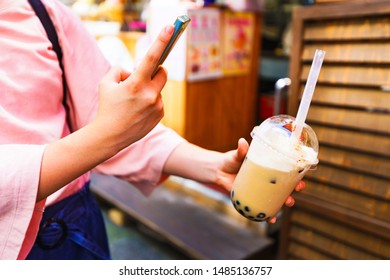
<point>131,105</point>
<point>290,200</point>
<point>230,166</point>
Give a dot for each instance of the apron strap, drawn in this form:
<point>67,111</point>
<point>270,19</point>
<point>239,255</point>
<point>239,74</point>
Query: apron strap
<point>51,32</point>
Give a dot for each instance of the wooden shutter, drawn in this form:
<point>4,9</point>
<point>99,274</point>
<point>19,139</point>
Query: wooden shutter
<point>344,213</point>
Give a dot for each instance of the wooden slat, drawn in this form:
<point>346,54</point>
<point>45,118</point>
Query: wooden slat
<point>320,209</point>
<point>371,99</point>
<point>357,182</point>
<point>331,247</point>
<point>358,141</point>
<point>357,202</point>
<point>376,246</point>
<point>328,210</point>
<point>349,29</point>
<point>377,166</point>
<point>353,119</point>
<point>300,251</point>
<point>350,75</point>
<point>354,9</point>
<point>348,52</point>
<point>329,1</point>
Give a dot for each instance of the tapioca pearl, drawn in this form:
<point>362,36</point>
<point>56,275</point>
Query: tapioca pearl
<point>238,203</point>
<point>273,181</point>
<point>261,220</point>
<point>247,209</point>
<point>301,170</point>
<point>261,216</point>
<point>241,212</point>
<point>232,194</point>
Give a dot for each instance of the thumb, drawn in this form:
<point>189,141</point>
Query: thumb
<point>242,149</point>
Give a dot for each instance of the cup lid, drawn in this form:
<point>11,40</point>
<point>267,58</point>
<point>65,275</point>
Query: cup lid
<point>276,132</point>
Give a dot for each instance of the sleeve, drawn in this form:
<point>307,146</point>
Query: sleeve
<point>19,179</point>
<point>85,65</point>
<point>142,163</point>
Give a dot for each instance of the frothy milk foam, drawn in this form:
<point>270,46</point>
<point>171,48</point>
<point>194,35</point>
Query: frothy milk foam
<point>280,152</point>
<point>273,167</point>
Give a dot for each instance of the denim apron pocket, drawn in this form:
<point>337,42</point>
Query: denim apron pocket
<point>72,229</point>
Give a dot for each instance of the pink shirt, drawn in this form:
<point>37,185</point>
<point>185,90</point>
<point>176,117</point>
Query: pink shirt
<point>32,115</point>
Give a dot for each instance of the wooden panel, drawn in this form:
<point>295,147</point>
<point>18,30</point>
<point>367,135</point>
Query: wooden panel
<point>338,1</point>
<point>359,162</point>
<point>358,52</point>
<point>378,247</point>
<point>359,141</point>
<point>300,251</point>
<point>344,213</point>
<point>352,200</point>
<point>353,119</point>
<point>372,28</point>
<point>339,223</point>
<point>331,247</point>
<point>338,214</point>
<point>357,182</point>
<point>329,1</point>
<point>220,111</point>
<point>371,99</point>
<point>377,76</point>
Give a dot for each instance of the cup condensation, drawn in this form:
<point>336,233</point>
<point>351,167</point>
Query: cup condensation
<point>273,167</point>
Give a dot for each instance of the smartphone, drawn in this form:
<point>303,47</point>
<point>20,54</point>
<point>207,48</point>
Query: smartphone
<point>180,25</point>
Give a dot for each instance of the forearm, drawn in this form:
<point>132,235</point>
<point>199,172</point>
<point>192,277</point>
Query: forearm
<point>68,158</point>
<point>130,106</point>
<point>192,162</point>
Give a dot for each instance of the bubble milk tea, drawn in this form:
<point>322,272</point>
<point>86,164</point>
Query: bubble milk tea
<point>273,167</point>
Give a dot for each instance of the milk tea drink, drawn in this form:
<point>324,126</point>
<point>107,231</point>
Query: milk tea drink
<point>273,167</point>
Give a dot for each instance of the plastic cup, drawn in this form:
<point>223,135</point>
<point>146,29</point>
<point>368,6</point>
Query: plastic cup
<point>274,165</point>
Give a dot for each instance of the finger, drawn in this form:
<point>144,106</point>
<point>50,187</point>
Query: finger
<point>124,75</point>
<point>161,78</point>
<point>290,201</point>
<point>242,148</point>
<point>145,69</point>
<point>113,75</point>
<point>272,220</point>
<point>300,186</point>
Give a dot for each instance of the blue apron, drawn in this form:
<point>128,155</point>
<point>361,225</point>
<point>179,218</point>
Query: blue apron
<point>72,229</point>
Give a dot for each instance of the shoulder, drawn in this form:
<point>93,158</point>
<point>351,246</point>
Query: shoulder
<point>71,31</point>
<point>61,15</point>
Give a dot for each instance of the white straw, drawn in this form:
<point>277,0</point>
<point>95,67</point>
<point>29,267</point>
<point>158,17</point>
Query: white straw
<point>308,93</point>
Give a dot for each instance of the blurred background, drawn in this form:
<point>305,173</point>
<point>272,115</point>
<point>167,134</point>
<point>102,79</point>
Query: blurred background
<point>238,63</point>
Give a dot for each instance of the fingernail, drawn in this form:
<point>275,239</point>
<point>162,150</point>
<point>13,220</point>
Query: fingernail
<point>299,186</point>
<point>169,29</point>
<point>290,202</point>
<point>272,221</point>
